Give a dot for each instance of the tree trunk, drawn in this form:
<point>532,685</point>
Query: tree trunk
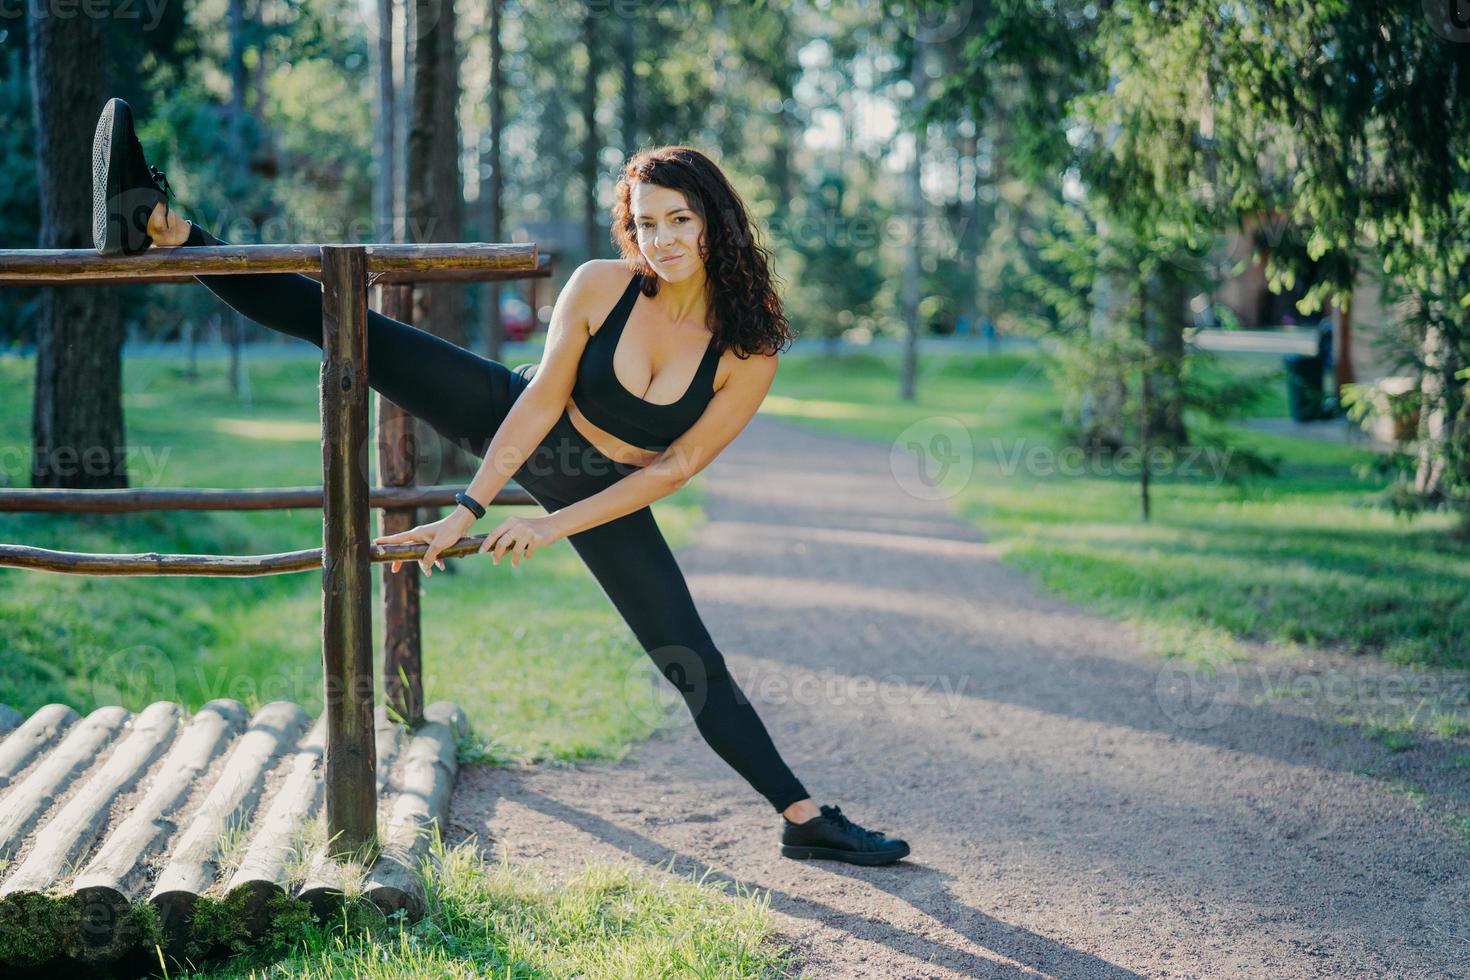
<point>968,299</point>
<point>443,216</point>
<point>191,350</point>
<point>435,193</point>
<point>492,189</point>
<point>1342,348</point>
<point>239,383</point>
<point>1165,338</point>
<point>787,128</point>
<point>628,53</point>
<point>77,421</point>
<point>1430,470</point>
<point>591,141</point>
<point>1145,423</point>
<point>1457,456</point>
<point>1100,409</point>
<point>1443,473</point>
<point>403,109</point>
<point>784,72</point>
<point>385,119</point>
<point>913,269</point>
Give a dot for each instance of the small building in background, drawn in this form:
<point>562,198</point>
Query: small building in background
<point>1256,307</point>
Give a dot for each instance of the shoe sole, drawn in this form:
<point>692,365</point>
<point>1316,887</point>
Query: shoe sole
<point>101,191</point>
<point>115,226</point>
<point>802,852</point>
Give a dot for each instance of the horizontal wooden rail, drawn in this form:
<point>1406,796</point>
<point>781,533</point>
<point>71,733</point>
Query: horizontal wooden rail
<point>236,566</point>
<point>542,271</point>
<point>461,261</point>
<point>27,500</point>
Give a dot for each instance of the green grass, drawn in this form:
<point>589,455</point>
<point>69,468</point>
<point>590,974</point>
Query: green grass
<point>536,655</point>
<point>490,918</point>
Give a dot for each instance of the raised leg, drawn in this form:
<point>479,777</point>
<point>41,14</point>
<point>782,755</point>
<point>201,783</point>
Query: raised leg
<point>463,395</point>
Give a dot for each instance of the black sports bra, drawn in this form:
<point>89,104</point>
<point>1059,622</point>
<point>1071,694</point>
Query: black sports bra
<point>602,398</point>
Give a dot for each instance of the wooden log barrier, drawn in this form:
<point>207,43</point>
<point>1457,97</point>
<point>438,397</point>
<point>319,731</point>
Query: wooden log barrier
<point>262,871</point>
<point>389,741</point>
<point>32,737</point>
<point>25,802</point>
<point>193,865</point>
<point>70,833</point>
<point>227,813</point>
<point>347,628</point>
<point>431,766</point>
<point>417,796</point>
<point>116,872</point>
<point>280,840</point>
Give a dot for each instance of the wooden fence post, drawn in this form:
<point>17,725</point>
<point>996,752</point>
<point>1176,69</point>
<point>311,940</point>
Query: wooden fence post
<point>403,686</point>
<point>347,634</point>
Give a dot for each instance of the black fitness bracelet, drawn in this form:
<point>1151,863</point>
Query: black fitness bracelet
<point>470,503</point>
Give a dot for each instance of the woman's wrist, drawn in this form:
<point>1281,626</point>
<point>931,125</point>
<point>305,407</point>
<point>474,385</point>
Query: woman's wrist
<point>556,524</point>
<point>470,504</point>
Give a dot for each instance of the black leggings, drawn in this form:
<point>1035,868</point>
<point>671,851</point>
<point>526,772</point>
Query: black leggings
<point>465,397</point>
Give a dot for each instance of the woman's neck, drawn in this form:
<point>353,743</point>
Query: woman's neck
<point>685,301</point>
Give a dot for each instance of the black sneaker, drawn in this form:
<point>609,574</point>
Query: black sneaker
<point>836,838</point>
<point>125,189</point>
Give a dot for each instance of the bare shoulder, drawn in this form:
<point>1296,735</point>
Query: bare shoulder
<point>604,271</point>
<point>595,287</point>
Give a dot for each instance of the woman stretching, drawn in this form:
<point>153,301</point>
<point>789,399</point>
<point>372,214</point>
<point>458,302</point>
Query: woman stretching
<point>595,440</point>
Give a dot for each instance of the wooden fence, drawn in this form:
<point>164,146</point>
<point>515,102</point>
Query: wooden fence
<point>347,552</point>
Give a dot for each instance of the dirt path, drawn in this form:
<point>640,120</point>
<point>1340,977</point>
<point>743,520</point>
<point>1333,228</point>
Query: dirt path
<point>1072,812</point>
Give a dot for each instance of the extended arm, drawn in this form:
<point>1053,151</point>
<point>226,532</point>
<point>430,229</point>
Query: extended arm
<point>525,425</point>
<point>632,492</point>
<point>532,415</point>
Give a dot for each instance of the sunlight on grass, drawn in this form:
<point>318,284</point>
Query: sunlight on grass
<point>816,409</point>
<point>271,430</point>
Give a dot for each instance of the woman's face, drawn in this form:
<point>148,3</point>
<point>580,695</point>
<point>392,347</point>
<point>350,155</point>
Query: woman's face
<point>670,234</point>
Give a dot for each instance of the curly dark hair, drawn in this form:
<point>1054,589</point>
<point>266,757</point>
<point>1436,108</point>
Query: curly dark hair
<point>744,311</point>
